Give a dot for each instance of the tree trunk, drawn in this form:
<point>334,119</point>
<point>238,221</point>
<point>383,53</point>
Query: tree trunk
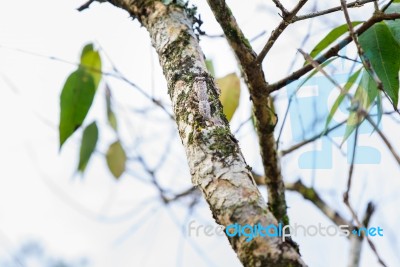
<point>216,163</point>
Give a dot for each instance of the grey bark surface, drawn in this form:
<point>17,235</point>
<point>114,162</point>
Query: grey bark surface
<point>216,163</point>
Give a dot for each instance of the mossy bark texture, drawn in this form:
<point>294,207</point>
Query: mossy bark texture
<point>216,163</point>
<point>263,107</point>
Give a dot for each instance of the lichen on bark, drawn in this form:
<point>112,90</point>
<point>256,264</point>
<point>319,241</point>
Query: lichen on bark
<point>264,114</point>
<point>216,163</point>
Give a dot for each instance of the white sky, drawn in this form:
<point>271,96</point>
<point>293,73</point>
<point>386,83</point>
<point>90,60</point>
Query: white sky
<point>40,198</point>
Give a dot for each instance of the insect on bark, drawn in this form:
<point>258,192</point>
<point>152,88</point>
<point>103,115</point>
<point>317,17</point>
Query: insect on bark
<point>200,86</point>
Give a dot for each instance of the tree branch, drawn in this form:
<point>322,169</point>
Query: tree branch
<point>216,163</point>
<point>88,3</point>
<point>263,106</point>
<point>356,241</point>
<point>287,20</point>
<point>346,199</point>
<point>356,3</point>
<point>310,194</point>
<point>385,140</point>
<point>333,51</point>
<point>312,139</point>
<point>279,5</point>
<point>387,5</point>
<point>85,5</point>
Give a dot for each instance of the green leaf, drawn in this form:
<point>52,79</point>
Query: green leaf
<point>349,84</point>
<point>394,25</point>
<point>210,67</point>
<point>88,145</point>
<point>116,159</point>
<point>365,95</point>
<point>331,37</point>
<point>75,101</point>
<point>87,48</point>
<point>230,94</point>
<point>112,120</point>
<point>91,62</point>
<point>384,53</point>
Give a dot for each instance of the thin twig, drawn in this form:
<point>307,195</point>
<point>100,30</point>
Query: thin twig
<point>333,51</point>
<point>351,169</point>
<point>360,112</point>
<point>185,193</point>
<point>357,3</point>
<point>116,74</point>
<point>262,102</point>
<point>384,139</point>
<point>356,241</point>
<point>243,123</point>
<point>287,20</point>
<point>349,59</point>
<point>279,5</point>
<point>319,67</point>
<point>85,5</point>
<point>387,5</point>
<point>312,139</point>
<point>346,200</point>
<point>364,59</point>
<point>310,194</point>
<point>359,225</point>
<point>376,6</point>
<point>261,34</point>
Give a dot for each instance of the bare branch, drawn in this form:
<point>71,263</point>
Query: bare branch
<point>310,194</point>
<point>319,67</point>
<point>346,200</point>
<point>263,105</point>
<point>85,5</point>
<point>351,169</point>
<point>287,20</point>
<point>360,112</point>
<point>385,140</point>
<point>216,163</point>
<point>115,74</point>
<point>312,139</point>
<point>360,225</point>
<point>387,5</point>
<point>376,5</point>
<point>279,5</point>
<point>188,192</point>
<point>356,241</point>
<point>356,3</point>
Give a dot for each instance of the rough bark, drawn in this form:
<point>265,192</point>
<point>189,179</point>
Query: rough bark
<point>262,106</point>
<point>216,163</point>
